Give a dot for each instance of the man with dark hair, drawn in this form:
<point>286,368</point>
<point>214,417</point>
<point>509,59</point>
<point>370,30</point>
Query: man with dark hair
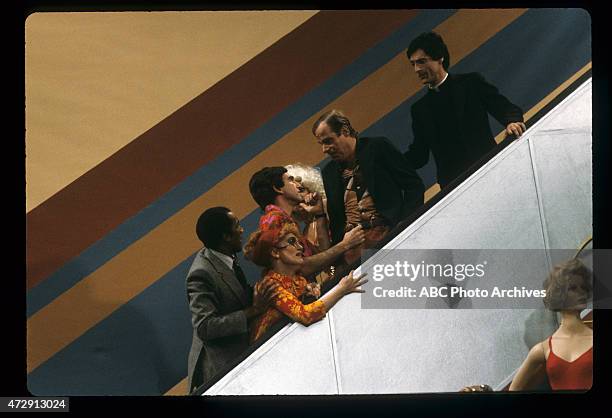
<point>267,183</point>
<point>368,182</point>
<point>277,193</point>
<point>221,301</point>
<point>451,119</point>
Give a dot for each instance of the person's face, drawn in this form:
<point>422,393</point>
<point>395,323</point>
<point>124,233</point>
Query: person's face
<point>299,214</point>
<point>301,188</point>
<point>234,236</point>
<point>290,250</point>
<point>338,147</point>
<point>428,70</point>
<point>577,294</point>
<point>291,189</point>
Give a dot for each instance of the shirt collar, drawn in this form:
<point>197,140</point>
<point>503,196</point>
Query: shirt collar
<point>227,260</point>
<point>437,86</point>
<point>274,208</point>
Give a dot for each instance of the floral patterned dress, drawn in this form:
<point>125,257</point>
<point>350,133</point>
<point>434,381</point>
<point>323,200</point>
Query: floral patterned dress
<point>275,217</point>
<point>287,303</point>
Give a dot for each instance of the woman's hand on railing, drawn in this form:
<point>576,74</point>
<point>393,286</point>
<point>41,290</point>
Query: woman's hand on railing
<point>350,284</point>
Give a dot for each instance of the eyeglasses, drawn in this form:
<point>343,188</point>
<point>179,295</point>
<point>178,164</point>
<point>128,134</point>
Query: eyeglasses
<point>293,241</point>
<point>296,179</point>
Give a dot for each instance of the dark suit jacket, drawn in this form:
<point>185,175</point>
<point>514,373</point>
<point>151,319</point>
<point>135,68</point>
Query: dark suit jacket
<point>395,187</point>
<point>472,98</point>
<point>216,300</point>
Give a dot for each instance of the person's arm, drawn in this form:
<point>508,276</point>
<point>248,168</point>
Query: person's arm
<point>392,160</point>
<point>202,295</point>
<point>314,206</point>
<point>509,115</point>
<point>322,232</point>
<point>418,152</point>
<point>287,303</point>
<point>204,305</point>
<point>531,370</point>
<point>317,262</point>
<point>323,236</point>
<point>263,295</point>
<point>291,306</point>
<point>348,284</point>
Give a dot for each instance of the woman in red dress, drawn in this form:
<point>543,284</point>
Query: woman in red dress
<point>280,252</point>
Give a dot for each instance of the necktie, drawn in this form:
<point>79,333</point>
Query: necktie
<point>240,274</point>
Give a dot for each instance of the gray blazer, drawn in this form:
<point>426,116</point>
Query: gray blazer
<point>216,300</point>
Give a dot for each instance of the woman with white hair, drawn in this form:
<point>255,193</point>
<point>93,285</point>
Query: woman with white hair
<point>311,186</point>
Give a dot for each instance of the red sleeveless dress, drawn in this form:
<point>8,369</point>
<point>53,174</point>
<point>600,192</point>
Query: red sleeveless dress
<point>570,375</point>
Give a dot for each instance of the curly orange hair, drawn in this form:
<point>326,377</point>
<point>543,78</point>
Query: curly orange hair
<point>259,246</point>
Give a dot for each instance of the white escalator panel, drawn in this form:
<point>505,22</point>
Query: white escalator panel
<point>296,360</point>
<point>535,194</point>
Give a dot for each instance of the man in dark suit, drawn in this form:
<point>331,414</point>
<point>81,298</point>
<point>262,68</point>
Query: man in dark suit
<point>368,182</point>
<point>220,299</point>
<point>451,119</point>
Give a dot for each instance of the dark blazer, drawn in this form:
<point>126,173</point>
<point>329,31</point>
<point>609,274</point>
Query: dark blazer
<point>395,187</point>
<point>472,99</point>
<point>216,300</point>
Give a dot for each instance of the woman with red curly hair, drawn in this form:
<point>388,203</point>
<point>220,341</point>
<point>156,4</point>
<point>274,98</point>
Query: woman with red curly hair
<point>281,253</point>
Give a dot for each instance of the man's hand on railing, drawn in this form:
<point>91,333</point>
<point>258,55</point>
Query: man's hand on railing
<point>515,128</point>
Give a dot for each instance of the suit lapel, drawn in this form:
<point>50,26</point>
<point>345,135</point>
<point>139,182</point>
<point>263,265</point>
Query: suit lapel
<point>366,161</point>
<point>335,194</point>
<point>227,276</point>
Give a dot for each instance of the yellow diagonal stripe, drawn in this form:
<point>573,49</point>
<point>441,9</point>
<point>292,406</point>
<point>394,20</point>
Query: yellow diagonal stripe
<point>180,389</point>
<point>145,261</point>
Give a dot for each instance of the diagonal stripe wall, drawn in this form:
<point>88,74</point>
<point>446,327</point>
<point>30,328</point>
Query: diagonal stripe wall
<point>95,81</point>
<point>222,116</point>
<point>147,298</point>
<point>60,310</point>
<point>211,173</point>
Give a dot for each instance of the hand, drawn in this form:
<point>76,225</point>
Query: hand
<point>312,204</point>
<point>349,284</point>
<point>313,289</point>
<point>264,295</point>
<point>515,128</point>
<point>353,238</point>
<point>477,388</point>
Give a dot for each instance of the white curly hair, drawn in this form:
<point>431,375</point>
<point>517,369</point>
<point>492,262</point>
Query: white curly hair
<point>308,176</point>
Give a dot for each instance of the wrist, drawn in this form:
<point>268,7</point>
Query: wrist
<point>252,311</point>
<point>342,290</point>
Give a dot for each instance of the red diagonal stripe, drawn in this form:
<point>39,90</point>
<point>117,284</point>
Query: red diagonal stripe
<point>138,174</point>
